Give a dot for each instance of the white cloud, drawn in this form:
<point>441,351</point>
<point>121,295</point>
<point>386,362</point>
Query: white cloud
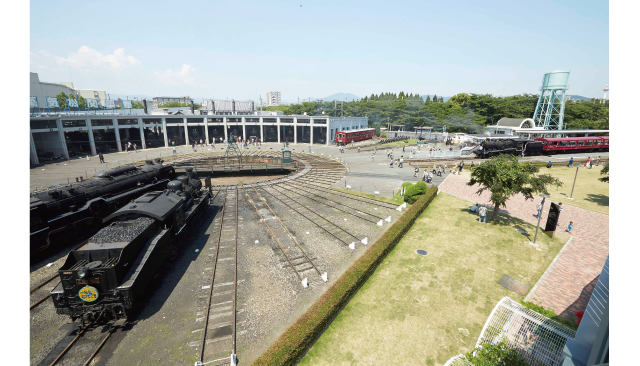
<point>88,58</point>
<point>176,78</point>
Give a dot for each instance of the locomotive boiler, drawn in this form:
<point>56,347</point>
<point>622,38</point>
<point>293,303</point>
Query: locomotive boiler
<point>105,278</point>
<point>58,214</point>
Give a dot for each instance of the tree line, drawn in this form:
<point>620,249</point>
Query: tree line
<point>461,113</point>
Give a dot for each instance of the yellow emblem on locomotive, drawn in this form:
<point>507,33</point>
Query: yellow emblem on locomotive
<point>88,294</point>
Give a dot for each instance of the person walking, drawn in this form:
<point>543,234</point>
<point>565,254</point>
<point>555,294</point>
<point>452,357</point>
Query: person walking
<point>424,175</point>
<point>101,158</point>
<point>358,148</point>
<point>415,172</point>
<point>174,150</point>
<point>598,164</point>
<point>375,150</point>
<point>400,163</point>
<point>403,149</point>
<point>126,148</point>
<point>373,158</point>
<point>483,214</point>
<point>391,163</point>
<point>549,164</point>
<point>135,147</point>
<point>539,208</point>
<point>571,162</point>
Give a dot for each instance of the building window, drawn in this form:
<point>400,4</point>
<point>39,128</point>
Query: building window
<point>101,122</point>
<point>195,120</point>
<point>286,120</point>
<point>580,143</point>
<point>151,120</point>
<point>215,120</point>
<point>43,124</point>
<point>74,123</point>
<point>234,119</point>
<point>175,120</point>
<point>572,143</point>
<point>127,122</point>
<point>269,120</point>
<point>319,121</point>
<point>304,120</point>
<point>252,119</point>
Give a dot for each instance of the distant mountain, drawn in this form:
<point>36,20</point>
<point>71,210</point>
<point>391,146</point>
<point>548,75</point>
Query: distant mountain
<point>342,96</point>
<point>444,99</point>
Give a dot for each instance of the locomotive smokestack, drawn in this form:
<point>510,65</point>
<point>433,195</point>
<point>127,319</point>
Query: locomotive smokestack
<point>144,105</point>
<point>192,108</point>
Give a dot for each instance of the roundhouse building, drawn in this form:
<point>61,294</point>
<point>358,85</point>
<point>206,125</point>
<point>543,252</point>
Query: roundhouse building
<point>81,134</point>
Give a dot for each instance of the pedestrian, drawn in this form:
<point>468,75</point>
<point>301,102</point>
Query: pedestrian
<point>309,149</point>
<point>401,161</point>
<point>439,172</point>
<point>589,160</point>
<point>101,158</point>
<point>403,149</point>
<point>430,177</point>
<point>415,172</point>
<point>174,149</point>
<point>571,162</point>
<point>391,163</point>
<point>560,208</point>
<point>539,208</point>
<point>358,148</point>
<point>460,167</point>
<point>483,214</point>
<point>135,147</point>
<point>375,150</point>
<point>373,158</point>
<point>598,164</point>
<point>569,227</point>
<point>549,164</point>
<point>472,165</point>
<point>126,148</point>
<point>424,175</point>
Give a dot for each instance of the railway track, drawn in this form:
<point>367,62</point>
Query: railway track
<point>220,321</point>
<point>346,195</point>
<point>337,232</point>
<point>85,339</point>
<point>296,257</point>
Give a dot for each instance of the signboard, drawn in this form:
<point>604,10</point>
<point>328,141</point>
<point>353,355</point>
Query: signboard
<point>554,215</point>
<point>88,294</point>
<point>127,104</point>
<point>34,102</point>
<point>52,103</point>
<point>73,103</point>
<point>110,103</point>
<point>92,103</point>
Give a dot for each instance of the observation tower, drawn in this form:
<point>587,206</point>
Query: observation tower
<point>550,109</point>
<point>606,90</point>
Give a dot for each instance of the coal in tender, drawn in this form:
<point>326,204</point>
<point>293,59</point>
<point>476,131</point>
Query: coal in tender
<point>121,231</point>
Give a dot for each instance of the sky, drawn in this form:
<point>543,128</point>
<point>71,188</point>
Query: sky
<point>243,49</point>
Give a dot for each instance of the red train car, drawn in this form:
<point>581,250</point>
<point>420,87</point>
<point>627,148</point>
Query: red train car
<point>574,144</point>
<point>345,137</point>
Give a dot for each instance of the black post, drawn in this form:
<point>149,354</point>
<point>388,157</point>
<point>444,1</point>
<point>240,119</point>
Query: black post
<point>539,216</point>
<point>574,182</point>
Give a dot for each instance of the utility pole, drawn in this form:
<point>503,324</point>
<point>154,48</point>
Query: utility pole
<point>544,196</point>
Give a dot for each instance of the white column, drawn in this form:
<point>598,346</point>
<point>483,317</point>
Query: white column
<point>186,130</point>
<point>206,129</point>
<point>261,128</point>
<point>63,141</point>
<point>328,131</point>
<point>311,130</point>
<point>117,132</point>
<point>164,132</point>
<point>141,126</point>
<point>244,128</point>
<point>278,125</point>
<point>92,142</point>
<point>295,130</point>
<point>224,123</point>
<point>33,151</point>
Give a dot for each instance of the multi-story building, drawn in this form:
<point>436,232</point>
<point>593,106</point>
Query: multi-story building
<point>41,90</point>
<point>158,101</point>
<point>273,99</point>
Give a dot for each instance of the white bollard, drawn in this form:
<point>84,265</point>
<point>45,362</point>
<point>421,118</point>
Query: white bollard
<point>404,205</point>
<point>365,241</point>
<point>352,246</point>
<point>234,359</point>
<point>380,222</point>
<point>399,208</point>
<point>388,219</point>
<point>348,187</point>
<point>305,283</point>
<point>376,192</point>
<point>324,277</point>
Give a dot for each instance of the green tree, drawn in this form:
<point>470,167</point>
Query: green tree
<point>435,98</point>
<point>137,105</point>
<point>496,355</point>
<point>605,172</point>
<point>504,176</point>
<point>82,102</point>
<point>62,99</point>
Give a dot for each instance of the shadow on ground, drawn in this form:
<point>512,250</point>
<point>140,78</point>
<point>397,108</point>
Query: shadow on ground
<point>600,199</point>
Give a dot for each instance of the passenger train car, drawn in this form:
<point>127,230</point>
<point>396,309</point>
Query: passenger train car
<point>541,146</point>
<point>345,137</point>
<point>105,278</point>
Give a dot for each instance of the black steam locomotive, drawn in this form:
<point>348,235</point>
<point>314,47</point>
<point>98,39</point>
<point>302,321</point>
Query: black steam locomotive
<point>60,213</point>
<point>521,147</point>
<point>104,279</point>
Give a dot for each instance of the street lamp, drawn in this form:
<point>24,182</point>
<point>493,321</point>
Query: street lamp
<point>574,183</point>
<point>544,196</point>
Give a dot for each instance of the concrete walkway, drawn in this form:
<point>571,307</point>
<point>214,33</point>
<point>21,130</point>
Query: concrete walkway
<point>568,282</point>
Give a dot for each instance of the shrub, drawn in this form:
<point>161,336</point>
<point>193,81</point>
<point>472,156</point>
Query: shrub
<point>496,355</point>
<point>383,135</point>
<point>414,192</point>
<point>294,342</point>
<point>568,322</point>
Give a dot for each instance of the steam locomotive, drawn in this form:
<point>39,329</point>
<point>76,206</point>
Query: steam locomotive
<point>104,279</point>
<point>58,214</point>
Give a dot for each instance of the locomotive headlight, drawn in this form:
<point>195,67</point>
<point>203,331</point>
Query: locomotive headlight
<point>82,273</point>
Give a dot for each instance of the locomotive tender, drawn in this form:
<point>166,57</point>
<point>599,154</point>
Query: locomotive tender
<point>58,214</point>
<point>104,279</point>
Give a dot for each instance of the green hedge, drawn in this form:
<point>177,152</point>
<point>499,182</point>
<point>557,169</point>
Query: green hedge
<point>566,321</point>
<point>292,344</point>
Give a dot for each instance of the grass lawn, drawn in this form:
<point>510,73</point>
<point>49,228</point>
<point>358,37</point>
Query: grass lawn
<point>410,142</point>
<point>423,310</point>
<point>589,193</point>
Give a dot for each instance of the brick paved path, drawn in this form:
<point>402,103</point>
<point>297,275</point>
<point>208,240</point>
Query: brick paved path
<point>568,282</point>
